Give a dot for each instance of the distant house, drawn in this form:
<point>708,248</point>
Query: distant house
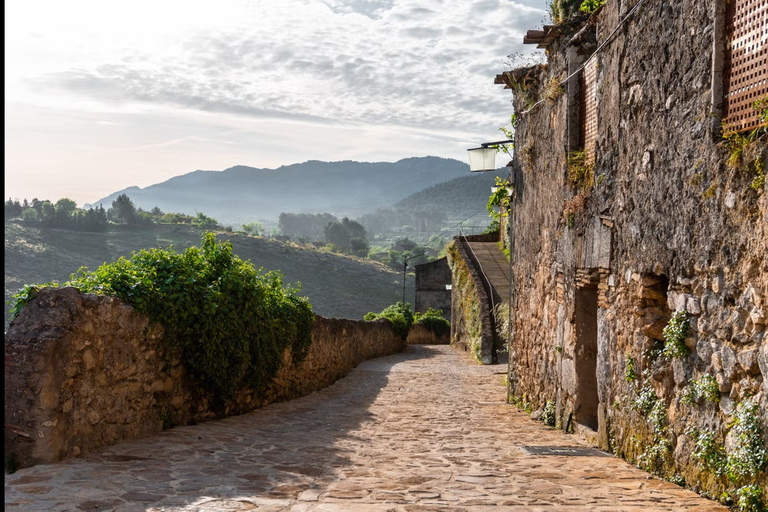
<point>433,282</point>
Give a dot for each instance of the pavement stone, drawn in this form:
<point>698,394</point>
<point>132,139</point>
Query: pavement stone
<point>426,430</point>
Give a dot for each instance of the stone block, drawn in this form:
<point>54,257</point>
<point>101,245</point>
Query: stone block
<point>762,360</point>
<point>757,315</point>
<point>729,362</point>
<point>748,361</point>
<point>704,350</point>
<point>727,406</point>
<point>693,306</point>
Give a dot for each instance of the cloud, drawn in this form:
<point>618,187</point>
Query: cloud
<point>426,63</point>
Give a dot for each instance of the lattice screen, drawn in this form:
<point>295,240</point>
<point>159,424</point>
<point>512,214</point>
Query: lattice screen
<point>588,108</point>
<point>746,62</point>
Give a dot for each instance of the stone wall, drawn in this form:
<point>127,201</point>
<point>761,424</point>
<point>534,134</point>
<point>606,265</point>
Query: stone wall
<point>420,335</point>
<point>668,226</point>
<point>84,371</point>
<point>431,279</point>
<point>471,326</point>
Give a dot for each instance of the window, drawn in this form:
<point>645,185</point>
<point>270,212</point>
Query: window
<point>588,109</point>
<point>746,62</point>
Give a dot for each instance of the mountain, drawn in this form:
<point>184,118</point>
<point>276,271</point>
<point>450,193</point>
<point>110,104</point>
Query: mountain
<point>242,194</point>
<point>458,198</point>
<point>337,286</point>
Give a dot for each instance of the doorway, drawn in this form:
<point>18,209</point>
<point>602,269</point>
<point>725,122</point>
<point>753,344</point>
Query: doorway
<point>586,357</point>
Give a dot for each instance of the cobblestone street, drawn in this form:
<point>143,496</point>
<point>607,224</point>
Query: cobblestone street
<point>425,430</point>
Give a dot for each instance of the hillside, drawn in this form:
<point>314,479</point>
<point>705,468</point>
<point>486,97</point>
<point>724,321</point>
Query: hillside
<point>458,198</point>
<point>336,286</point>
<point>243,194</point>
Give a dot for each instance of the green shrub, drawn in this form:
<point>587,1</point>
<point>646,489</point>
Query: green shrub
<point>708,452</point>
<point>675,333</point>
<point>750,499</point>
<point>705,387</point>
<point>748,456</point>
<point>548,416</point>
<point>228,323</point>
<point>399,316</point>
<point>434,321</point>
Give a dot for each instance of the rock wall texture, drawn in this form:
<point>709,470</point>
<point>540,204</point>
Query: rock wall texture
<point>420,335</point>
<point>471,325</point>
<point>666,227</point>
<point>84,371</point>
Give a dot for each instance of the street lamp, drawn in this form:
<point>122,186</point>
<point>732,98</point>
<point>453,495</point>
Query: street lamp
<point>484,158</point>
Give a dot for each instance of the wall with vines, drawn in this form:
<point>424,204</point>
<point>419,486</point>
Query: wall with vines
<point>84,371</point>
<point>471,327</point>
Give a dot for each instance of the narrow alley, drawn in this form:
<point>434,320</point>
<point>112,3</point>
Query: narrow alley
<point>424,430</point>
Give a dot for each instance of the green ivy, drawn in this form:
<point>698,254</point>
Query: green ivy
<point>675,333</point>
<point>228,323</point>
<point>399,316</point>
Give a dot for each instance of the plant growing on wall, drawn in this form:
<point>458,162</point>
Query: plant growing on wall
<point>399,316</point>
<point>499,201</point>
<point>573,207</point>
<point>708,451</point>
<point>581,173</point>
<point>675,333</point>
<point>745,459</point>
<point>467,298</point>
<point>630,374</point>
<point>739,144</point>
<point>228,323</point>
<point>705,387</point>
<point>552,90</point>
<point>748,455</point>
<point>548,416</point>
<point>590,6</point>
<point>750,499</point>
<point>433,321</point>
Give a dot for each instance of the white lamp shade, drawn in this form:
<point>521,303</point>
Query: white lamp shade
<point>482,159</point>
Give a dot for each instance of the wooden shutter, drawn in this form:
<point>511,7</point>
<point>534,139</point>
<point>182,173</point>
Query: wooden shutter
<point>588,108</point>
<point>746,62</point>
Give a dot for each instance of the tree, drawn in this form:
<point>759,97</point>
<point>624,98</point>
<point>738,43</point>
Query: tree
<point>341,234</point>
<point>205,222</point>
<point>123,210</point>
<point>359,246</point>
<point>335,233</point>
<point>47,213</point>
<point>404,244</point>
<point>253,228</point>
<point>65,208</point>
<point>12,208</point>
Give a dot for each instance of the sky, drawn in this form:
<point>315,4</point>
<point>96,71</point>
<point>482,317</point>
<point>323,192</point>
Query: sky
<point>100,96</point>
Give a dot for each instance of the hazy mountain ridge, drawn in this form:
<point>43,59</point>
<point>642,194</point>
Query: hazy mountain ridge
<point>241,193</point>
<point>462,196</point>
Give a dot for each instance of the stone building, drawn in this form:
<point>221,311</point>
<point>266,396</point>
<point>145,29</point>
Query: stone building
<point>433,282</point>
<point>639,235</point>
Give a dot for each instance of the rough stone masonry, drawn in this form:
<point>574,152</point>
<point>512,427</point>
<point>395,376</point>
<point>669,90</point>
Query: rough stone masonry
<point>663,225</point>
